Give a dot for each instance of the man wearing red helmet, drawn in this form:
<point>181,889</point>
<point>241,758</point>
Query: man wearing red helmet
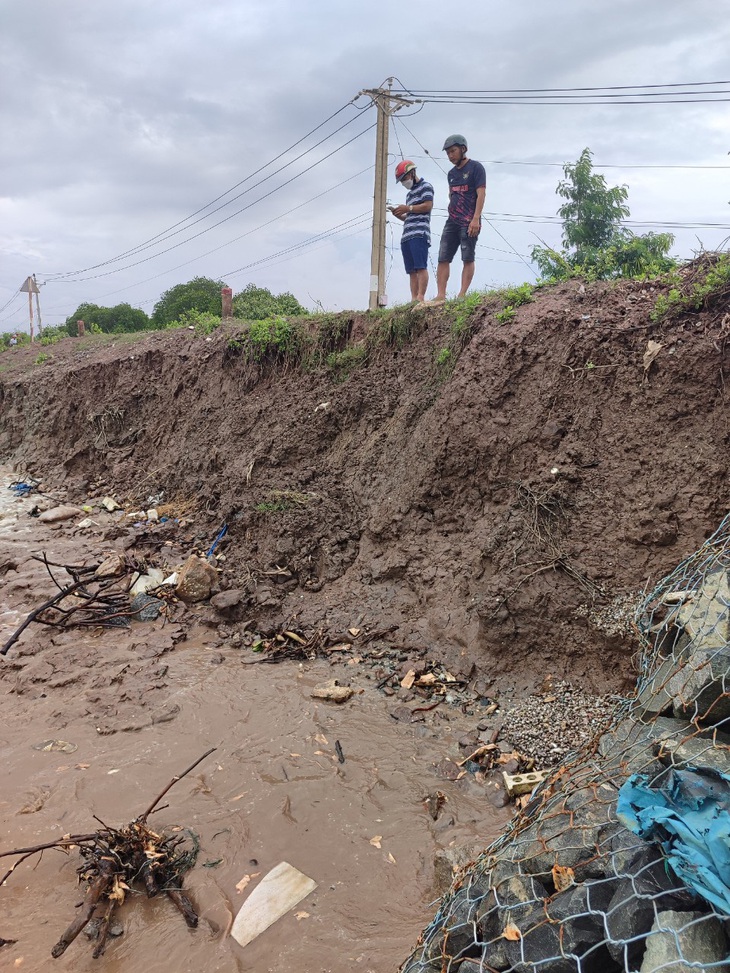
<point>467,190</point>
<point>416,216</point>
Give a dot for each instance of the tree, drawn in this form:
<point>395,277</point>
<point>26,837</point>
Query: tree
<point>257,303</point>
<point>199,294</point>
<point>117,319</point>
<point>595,242</point>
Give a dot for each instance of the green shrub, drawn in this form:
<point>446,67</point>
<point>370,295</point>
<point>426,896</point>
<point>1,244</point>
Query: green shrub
<point>275,338</point>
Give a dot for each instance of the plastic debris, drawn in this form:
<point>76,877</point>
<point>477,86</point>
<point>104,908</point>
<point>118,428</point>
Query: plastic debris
<point>277,893</point>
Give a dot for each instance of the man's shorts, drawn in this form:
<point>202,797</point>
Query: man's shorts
<point>415,253</point>
<point>453,237</point>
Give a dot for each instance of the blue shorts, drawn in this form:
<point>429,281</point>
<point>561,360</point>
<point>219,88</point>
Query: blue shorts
<point>453,237</point>
<point>415,253</point>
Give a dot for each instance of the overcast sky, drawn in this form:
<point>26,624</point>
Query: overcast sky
<point>120,120</point>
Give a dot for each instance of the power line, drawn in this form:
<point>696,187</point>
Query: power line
<point>531,217</point>
<point>609,87</point>
<point>293,251</point>
<point>168,234</point>
<point>254,229</point>
<point>220,222</point>
<point>540,102</point>
<point>332,231</point>
<point>607,165</point>
<point>657,94</point>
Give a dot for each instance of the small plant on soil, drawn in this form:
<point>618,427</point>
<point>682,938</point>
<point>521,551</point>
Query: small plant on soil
<point>275,338</point>
<point>278,501</point>
<point>394,326</point>
<point>506,314</point>
<point>461,309</point>
<point>342,363</point>
<point>51,336</point>
<point>705,282</point>
<point>444,357</point>
<point>43,358</point>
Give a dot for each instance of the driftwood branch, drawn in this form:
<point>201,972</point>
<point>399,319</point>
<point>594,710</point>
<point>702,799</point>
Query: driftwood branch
<point>69,589</point>
<point>98,887</point>
<point>143,817</point>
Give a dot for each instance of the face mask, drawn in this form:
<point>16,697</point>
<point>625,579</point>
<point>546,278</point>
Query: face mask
<point>407,183</point>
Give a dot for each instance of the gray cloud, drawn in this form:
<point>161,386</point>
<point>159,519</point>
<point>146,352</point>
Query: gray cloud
<point>120,120</point>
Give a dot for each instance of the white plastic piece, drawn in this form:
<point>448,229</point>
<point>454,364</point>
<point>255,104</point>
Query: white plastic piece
<point>280,890</point>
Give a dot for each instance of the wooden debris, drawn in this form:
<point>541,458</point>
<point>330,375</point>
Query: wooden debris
<point>117,860</point>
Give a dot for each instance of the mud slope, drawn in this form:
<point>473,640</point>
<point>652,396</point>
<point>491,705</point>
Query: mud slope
<point>495,514</point>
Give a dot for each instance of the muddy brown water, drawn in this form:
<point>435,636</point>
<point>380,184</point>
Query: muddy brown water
<point>272,791</point>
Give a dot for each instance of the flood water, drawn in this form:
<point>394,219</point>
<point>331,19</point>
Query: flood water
<point>272,791</point>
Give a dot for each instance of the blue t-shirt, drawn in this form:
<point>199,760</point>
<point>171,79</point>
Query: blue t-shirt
<point>463,185</point>
<point>418,224</point>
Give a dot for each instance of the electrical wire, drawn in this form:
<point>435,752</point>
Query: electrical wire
<point>168,234</point>
<point>220,222</point>
<point>255,229</point>
<point>325,234</point>
<point>557,220</point>
<point>706,92</point>
<point>608,87</point>
<point>595,165</point>
<point>16,310</point>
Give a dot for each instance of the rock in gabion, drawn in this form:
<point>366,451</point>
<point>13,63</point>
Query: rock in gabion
<point>570,887</point>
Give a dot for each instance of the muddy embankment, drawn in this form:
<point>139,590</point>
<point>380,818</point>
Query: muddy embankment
<point>503,514</point>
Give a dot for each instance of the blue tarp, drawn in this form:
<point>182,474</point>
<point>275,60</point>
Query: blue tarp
<point>686,812</point>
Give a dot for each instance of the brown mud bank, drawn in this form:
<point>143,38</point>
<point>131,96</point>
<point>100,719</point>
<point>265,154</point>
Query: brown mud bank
<point>95,721</point>
<point>503,512</point>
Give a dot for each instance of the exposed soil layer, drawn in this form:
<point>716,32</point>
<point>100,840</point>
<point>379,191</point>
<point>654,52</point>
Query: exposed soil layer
<point>503,515</point>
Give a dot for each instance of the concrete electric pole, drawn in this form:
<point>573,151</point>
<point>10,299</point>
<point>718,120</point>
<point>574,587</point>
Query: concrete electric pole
<point>30,288</point>
<point>387,104</point>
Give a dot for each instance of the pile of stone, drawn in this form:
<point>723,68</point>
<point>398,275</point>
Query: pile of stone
<point>570,888</point>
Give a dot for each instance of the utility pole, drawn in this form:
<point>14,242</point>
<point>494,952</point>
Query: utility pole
<point>38,304</point>
<point>30,288</point>
<point>387,104</point>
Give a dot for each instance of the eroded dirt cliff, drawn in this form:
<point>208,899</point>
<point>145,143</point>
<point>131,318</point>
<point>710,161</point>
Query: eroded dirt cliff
<point>504,513</point>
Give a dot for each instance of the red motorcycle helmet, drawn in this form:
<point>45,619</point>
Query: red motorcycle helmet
<point>403,168</point>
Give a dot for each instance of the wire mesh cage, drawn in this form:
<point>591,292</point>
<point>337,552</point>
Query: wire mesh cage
<point>620,861</point>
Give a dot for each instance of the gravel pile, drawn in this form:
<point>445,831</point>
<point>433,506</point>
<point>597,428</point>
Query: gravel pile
<point>549,725</point>
<point>616,618</point>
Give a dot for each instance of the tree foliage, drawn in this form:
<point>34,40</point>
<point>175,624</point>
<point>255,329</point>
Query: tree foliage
<point>258,303</point>
<point>199,294</point>
<point>111,320</point>
<point>595,243</point>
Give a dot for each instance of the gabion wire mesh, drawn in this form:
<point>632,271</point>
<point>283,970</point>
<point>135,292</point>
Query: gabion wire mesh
<point>571,886</point>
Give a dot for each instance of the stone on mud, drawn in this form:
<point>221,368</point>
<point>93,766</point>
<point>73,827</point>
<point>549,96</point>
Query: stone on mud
<point>112,566</point>
<point>333,692</point>
<point>225,600</point>
<point>146,608</point>
<point>196,580</point>
<point>56,514</point>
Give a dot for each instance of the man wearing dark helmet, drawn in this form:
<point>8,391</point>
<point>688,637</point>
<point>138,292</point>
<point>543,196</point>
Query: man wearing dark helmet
<point>467,189</point>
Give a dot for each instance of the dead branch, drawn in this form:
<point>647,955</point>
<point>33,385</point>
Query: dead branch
<point>143,817</point>
<point>114,860</point>
<point>69,589</point>
<point>95,892</point>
